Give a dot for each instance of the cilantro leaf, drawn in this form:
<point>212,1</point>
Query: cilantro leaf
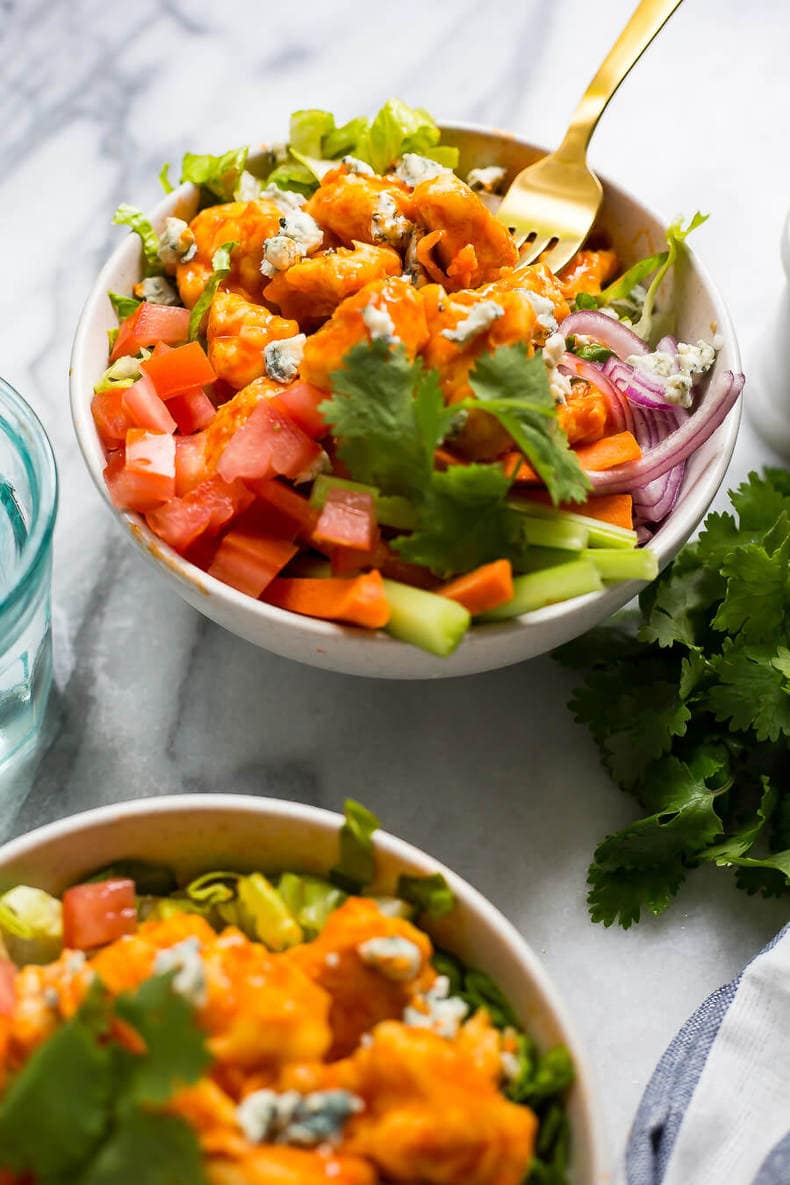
<point>737,844</point>
<point>758,592</point>
<point>389,416</point>
<point>515,389</point>
<point>676,605</point>
<point>753,690</point>
<point>620,895</point>
<point>218,174</point>
<point>146,1148</point>
<point>220,263</point>
<point>56,1110</point>
<point>464,521</point>
<point>136,220</point>
<point>176,1053</point>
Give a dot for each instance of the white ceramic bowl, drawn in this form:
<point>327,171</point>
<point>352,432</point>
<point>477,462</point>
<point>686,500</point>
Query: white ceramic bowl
<point>194,833</point>
<point>635,231</point>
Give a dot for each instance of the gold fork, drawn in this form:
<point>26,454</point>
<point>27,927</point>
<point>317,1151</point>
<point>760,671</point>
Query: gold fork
<point>558,198</point>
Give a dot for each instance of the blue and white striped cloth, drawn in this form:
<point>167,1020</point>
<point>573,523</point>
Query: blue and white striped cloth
<point>717,1109</point>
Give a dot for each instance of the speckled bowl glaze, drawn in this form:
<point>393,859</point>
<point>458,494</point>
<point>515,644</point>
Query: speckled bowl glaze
<point>634,231</point>
<point>192,833</point>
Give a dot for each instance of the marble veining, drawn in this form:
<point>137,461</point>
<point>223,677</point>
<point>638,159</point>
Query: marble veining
<point>490,772</point>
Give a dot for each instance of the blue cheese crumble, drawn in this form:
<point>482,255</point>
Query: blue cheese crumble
<point>387,225</point>
<point>437,1010</point>
<point>678,371</point>
<point>189,980</point>
<point>412,169</point>
<point>176,244</point>
<point>283,358</point>
<point>359,167</point>
<point>304,1121</point>
<point>481,317</point>
<point>378,323</point>
<point>544,310</point>
<point>393,957</point>
<point>286,200</point>
<point>299,235</point>
<point>486,180</point>
<point>156,290</point>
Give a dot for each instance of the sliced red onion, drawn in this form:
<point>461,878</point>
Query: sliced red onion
<point>606,330</point>
<point>719,399</point>
<point>653,502</point>
<point>617,404</point>
<point>668,345</point>
<point>640,386</point>
<point>643,534</point>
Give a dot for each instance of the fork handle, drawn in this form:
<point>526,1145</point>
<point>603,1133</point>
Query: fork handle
<point>646,22</point>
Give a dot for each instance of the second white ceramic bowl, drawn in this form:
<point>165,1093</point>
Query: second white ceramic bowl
<point>635,231</point>
<point>195,833</point>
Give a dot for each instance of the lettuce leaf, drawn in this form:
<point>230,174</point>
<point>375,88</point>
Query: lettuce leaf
<point>356,866</point>
<point>123,306</point>
<point>430,894</point>
<point>220,262</point>
<point>218,174</point>
<point>398,128</point>
<point>308,130</point>
<point>164,178</point>
<point>136,220</point>
<point>676,238</point>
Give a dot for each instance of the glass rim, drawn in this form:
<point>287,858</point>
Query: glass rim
<point>39,461</point>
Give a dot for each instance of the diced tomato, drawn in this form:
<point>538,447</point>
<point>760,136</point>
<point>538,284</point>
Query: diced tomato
<point>128,490</point>
<point>152,455</point>
<point>292,511</point>
<point>347,519</point>
<point>266,444</point>
<point>174,371</point>
<point>7,987</point>
<point>96,914</point>
<point>347,561</point>
<point>301,402</point>
<point>192,410</point>
<point>151,323</point>
<point>110,416</point>
<point>208,507</point>
<point>145,409</point>
<point>191,467</point>
<point>249,561</point>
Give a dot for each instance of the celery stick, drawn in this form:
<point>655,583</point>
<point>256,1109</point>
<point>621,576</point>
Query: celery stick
<point>435,623</point>
<point>615,564</point>
<point>556,534</point>
<point>537,589</point>
<point>600,534</point>
<point>391,510</point>
<point>535,559</point>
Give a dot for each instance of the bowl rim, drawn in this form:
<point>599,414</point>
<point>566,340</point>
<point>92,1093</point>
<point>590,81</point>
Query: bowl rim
<point>314,631</point>
<point>398,850</point>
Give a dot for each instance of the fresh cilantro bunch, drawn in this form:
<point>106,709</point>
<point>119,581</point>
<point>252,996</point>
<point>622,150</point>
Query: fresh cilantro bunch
<point>389,416</point>
<point>689,703</point>
<point>86,1110</point>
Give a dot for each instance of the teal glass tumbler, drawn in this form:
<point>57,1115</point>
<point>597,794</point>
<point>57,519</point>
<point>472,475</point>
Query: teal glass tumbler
<point>28,504</point>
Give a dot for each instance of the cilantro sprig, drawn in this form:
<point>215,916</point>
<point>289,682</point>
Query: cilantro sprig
<point>389,417</point>
<point>689,703</point>
<point>86,1110</point>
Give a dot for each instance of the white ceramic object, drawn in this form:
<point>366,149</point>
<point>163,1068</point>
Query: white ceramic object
<point>769,395</point>
<point>195,833</point>
<point>634,231</point>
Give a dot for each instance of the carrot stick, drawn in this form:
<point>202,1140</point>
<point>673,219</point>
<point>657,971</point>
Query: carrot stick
<point>609,451</point>
<point>601,454</point>
<point>616,509</point>
<point>485,588</point>
<point>360,601</point>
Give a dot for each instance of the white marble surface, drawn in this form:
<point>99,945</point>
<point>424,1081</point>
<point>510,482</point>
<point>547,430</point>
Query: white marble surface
<point>490,773</point>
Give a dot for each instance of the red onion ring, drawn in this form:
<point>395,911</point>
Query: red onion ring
<point>668,345</point>
<point>606,330</point>
<point>719,399</point>
<point>647,389</point>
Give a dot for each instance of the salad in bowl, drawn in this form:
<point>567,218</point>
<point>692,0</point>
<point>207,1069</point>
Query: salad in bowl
<point>336,390</point>
<point>242,1029</point>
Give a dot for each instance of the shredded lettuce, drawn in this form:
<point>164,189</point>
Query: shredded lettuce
<point>136,220</point>
<point>676,239</point>
<point>430,894</point>
<point>164,177</point>
<point>264,915</point>
<point>308,130</point>
<point>310,900</point>
<point>218,174</point>
<point>214,888</point>
<point>398,128</point>
<point>31,924</point>
<point>122,373</point>
<point>356,866</point>
<point>344,140</point>
<point>220,262</point>
<point>124,306</point>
